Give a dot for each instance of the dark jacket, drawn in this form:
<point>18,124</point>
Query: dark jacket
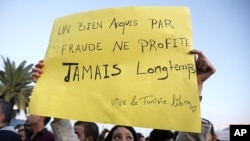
<point>7,135</point>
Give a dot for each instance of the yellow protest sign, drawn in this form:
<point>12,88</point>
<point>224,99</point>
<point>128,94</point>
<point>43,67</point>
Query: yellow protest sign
<point>126,66</point>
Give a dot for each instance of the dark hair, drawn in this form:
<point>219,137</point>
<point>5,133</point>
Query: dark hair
<point>139,135</point>
<point>90,129</point>
<point>6,109</point>
<point>212,130</point>
<point>131,129</point>
<point>18,126</point>
<point>46,120</point>
<point>160,135</point>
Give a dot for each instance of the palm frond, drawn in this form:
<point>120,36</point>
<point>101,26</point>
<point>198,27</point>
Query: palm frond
<point>15,83</point>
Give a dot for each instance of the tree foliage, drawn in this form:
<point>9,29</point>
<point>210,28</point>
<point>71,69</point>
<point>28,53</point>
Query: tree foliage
<point>16,83</point>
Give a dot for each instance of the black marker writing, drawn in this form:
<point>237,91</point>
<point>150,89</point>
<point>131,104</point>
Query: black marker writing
<point>151,45</point>
<point>116,24</point>
<point>159,24</point>
<point>153,70</point>
<point>92,72</point>
<point>67,77</point>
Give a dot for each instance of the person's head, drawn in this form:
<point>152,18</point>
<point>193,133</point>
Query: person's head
<point>6,110</point>
<point>35,120</point>
<point>46,120</point>
<point>122,133</point>
<point>22,131</point>
<point>212,136</point>
<point>86,131</point>
<point>140,137</point>
<point>161,135</point>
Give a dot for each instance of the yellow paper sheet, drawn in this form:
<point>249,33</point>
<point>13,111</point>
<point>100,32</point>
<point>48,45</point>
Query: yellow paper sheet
<point>126,66</point>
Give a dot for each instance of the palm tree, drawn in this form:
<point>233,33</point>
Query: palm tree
<point>15,84</point>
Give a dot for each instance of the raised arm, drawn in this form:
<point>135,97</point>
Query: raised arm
<point>204,68</point>
<point>62,128</point>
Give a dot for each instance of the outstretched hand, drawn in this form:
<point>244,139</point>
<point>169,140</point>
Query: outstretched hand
<point>37,70</point>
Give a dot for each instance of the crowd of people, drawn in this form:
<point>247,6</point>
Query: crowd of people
<point>35,129</point>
